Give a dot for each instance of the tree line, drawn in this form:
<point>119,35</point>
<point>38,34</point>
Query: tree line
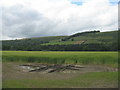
<point>71,47</point>
<point>78,34</point>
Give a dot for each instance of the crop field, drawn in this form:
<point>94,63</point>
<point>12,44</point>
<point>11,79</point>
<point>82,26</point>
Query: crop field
<point>14,78</point>
<point>103,58</point>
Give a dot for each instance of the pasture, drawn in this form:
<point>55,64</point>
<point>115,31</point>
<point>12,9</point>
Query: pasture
<point>14,78</point>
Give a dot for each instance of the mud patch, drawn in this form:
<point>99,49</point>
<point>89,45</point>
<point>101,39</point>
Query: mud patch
<point>50,68</point>
<point>63,68</point>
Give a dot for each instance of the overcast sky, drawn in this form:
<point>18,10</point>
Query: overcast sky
<point>36,18</point>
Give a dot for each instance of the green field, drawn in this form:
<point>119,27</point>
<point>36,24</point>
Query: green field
<point>101,58</point>
<point>12,78</point>
<point>102,37</point>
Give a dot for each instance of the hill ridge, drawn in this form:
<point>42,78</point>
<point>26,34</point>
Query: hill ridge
<point>92,40</point>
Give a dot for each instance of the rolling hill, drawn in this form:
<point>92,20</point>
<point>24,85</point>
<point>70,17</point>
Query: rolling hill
<point>85,41</point>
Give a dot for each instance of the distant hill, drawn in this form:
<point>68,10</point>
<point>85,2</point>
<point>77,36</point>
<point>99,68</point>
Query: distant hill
<point>85,41</point>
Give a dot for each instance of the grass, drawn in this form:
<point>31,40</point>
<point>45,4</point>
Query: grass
<point>93,79</point>
<point>59,43</point>
<point>101,58</point>
<point>12,78</point>
<point>101,37</point>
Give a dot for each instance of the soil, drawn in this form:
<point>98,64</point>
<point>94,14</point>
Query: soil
<point>64,68</point>
<point>31,71</point>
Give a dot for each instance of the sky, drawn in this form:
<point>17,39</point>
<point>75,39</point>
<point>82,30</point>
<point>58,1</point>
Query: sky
<point>39,18</point>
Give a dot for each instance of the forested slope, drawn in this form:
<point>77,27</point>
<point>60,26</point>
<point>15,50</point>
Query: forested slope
<point>85,41</point>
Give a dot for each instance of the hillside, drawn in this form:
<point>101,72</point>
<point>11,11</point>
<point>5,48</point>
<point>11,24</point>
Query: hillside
<point>87,38</point>
<point>85,41</point>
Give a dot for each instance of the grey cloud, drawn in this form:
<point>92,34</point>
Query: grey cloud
<point>19,22</point>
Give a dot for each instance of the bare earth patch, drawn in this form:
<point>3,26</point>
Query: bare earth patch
<point>45,73</point>
<point>64,68</point>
